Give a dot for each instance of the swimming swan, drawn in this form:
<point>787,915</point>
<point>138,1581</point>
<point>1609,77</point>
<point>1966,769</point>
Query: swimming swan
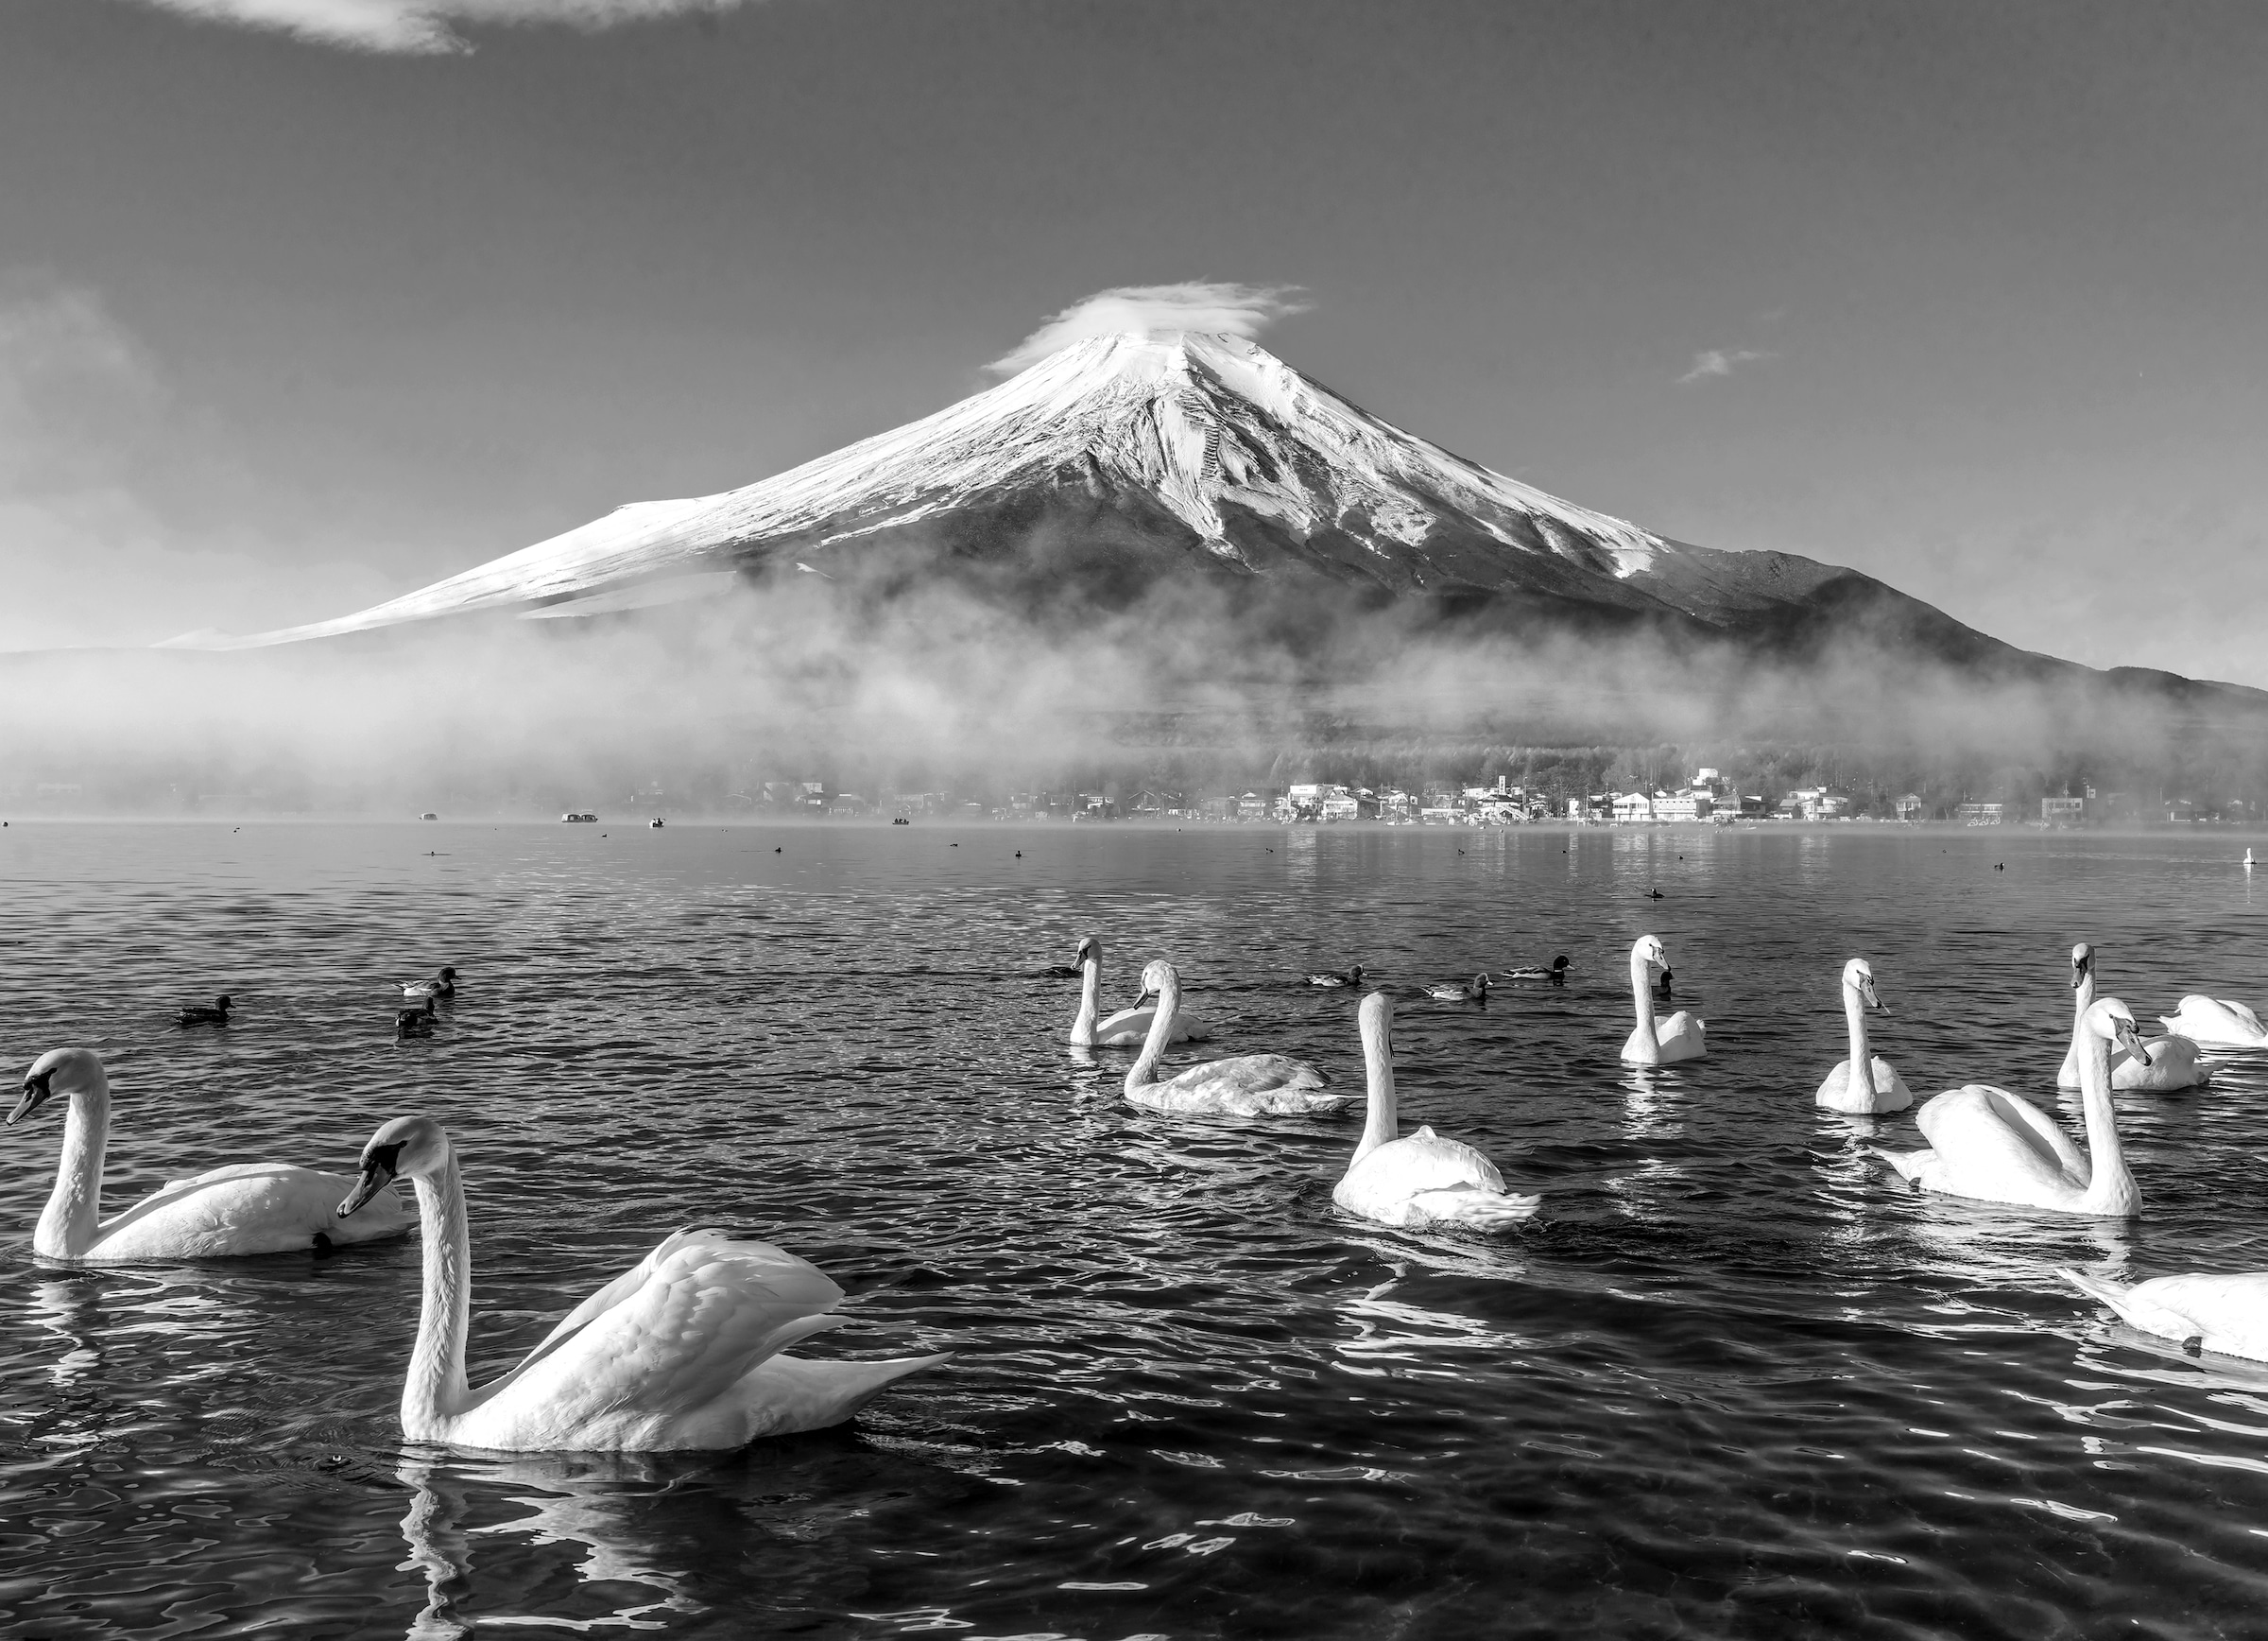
<point>681,1351</point>
<point>2216,1023</point>
<point>1128,1025</point>
<point>243,1209</point>
<point>1239,1085</point>
<point>1878,1087</point>
<point>2169,1063</point>
<point>1986,1144</point>
<point>1422,1180</point>
<point>1683,1036</point>
<point>2224,1314</point>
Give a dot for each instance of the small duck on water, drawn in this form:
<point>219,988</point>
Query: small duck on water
<point>1331,977</point>
<point>441,985</point>
<point>1556,973</point>
<point>1476,992</point>
<point>414,1022</point>
<point>212,1013</point>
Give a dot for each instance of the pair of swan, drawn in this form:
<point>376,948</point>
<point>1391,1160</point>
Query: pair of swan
<point>1988,1145</point>
<point>2166,1064</point>
<point>1864,1083</point>
<point>1683,1036</point>
<point>683,1351</point>
<point>1128,1025</point>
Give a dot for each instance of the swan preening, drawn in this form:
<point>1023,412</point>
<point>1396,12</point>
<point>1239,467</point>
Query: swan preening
<point>2166,1064</point>
<point>1128,1025</point>
<point>1424,1180</point>
<point>2224,1314</point>
<point>1986,1144</point>
<point>1683,1036</point>
<point>1239,1085</point>
<point>684,1350</point>
<point>1863,1083</point>
<point>1473,991</point>
<point>243,1209</point>
<point>2216,1023</point>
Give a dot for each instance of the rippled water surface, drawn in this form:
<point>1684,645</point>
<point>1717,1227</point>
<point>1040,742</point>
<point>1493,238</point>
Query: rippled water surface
<point>1734,1380</point>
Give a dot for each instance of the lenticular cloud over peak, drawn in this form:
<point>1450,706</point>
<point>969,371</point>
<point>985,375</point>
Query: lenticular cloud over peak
<point>1210,306</point>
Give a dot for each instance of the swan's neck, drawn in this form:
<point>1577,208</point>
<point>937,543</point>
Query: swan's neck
<point>67,1225</point>
<point>2082,999</point>
<point>1162,1031</point>
<point>435,1390</point>
<point>1383,1126</point>
<point>1862,1064</point>
<point>2109,1184</point>
<point>1641,989</point>
<point>1090,995</point>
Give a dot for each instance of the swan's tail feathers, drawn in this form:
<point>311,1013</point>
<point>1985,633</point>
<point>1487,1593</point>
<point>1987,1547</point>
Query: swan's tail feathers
<point>2131,1307</point>
<point>1481,1210</point>
<point>1909,1164</point>
<point>797,1393</point>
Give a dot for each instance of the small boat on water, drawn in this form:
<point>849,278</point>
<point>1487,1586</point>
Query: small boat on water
<point>582,816</point>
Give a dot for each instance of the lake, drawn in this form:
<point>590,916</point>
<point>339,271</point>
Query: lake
<point>1734,1379</point>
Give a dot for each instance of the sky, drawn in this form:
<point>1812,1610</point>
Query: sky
<point>304,303</point>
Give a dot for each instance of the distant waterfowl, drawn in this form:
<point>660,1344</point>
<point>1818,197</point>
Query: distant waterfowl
<point>243,1209</point>
<point>212,1013</point>
<point>1422,1180</point>
<point>683,1351</point>
<point>2248,859</point>
<point>1239,1085</point>
<point>415,1022</point>
<point>1663,988</point>
<point>2169,1065</point>
<point>1988,1145</point>
<point>2216,1023</point>
<point>1128,1025</point>
<point>1473,991</point>
<point>2226,1315</point>
<point>1332,978</point>
<point>1556,973</point>
<point>1863,1083</point>
<point>1683,1036</point>
<point>441,985</point>
<point>1655,895</point>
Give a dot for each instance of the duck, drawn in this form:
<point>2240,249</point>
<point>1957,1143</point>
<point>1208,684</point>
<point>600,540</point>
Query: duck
<point>1334,978</point>
<point>212,1013</point>
<point>2224,1314</point>
<point>1556,973</point>
<point>2215,1022</point>
<point>1239,1085</point>
<point>441,985</point>
<point>1683,1036</point>
<point>1475,991</point>
<point>1878,1087</point>
<point>243,1209</point>
<point>1128,1025</point>
<point>1987,1145</point>
<point>1424,1180</point>
<point>2170,1063</point>
<point>414,1022</point>
<point>686,1350</point>
<point>1664,989</point>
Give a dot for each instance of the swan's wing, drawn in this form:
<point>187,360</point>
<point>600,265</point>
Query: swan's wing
<point>244,1208</point>
<point>1249,1074</point>
<point>2242,1015</point>
<point>638,1275</point>
<point>2230,1313</point>
<point>1981,1133</point>
<point>1424,1162</point>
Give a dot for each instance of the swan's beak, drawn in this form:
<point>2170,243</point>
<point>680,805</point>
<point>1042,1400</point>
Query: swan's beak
<point>2128,1038</point>
<point>377,1173</point>
<point>1866,991</point>
<point>2078,975</point>
<point>37,1092</point>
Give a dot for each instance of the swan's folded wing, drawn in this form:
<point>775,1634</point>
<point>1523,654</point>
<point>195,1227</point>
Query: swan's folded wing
<point>681,1326</point>
<point>1978,1126</point>
<point>1424,1162</point>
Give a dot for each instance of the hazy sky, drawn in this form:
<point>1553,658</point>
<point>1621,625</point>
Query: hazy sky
<point>1969,296</point>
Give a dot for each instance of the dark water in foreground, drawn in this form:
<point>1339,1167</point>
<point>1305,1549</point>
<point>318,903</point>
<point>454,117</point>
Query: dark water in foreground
<point>1735,1380</point>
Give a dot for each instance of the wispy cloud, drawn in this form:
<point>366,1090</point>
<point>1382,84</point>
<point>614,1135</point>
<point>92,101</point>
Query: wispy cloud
<point>423,27</point>
<point>1215,308</point>
<point>1722,362</point>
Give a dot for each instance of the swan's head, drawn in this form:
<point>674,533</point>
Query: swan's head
<point>2114,1022</point>
<point>2083,964</point>
<point>1376,1017</point>
<point>1857,975</point>
<point>63,1071</point>
<point>408,1145</point>
<point>1650,952</point>
<point>1155,977</point>
<point>1089,947</point>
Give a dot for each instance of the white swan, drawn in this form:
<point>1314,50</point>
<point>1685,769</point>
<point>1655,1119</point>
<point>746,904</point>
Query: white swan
<point>244,1209</point>
<point>2224,1314</point>
<point>1878,1086</point>
<point>2216,1023</point>
<point>1683,1036</point>
<point>2168,1064</point>
<point>1127,1025</point>
<point>681,1351</point>
<point>1239,1085</point>
<point>1425,1179</point>
<point>1988,1143</point>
